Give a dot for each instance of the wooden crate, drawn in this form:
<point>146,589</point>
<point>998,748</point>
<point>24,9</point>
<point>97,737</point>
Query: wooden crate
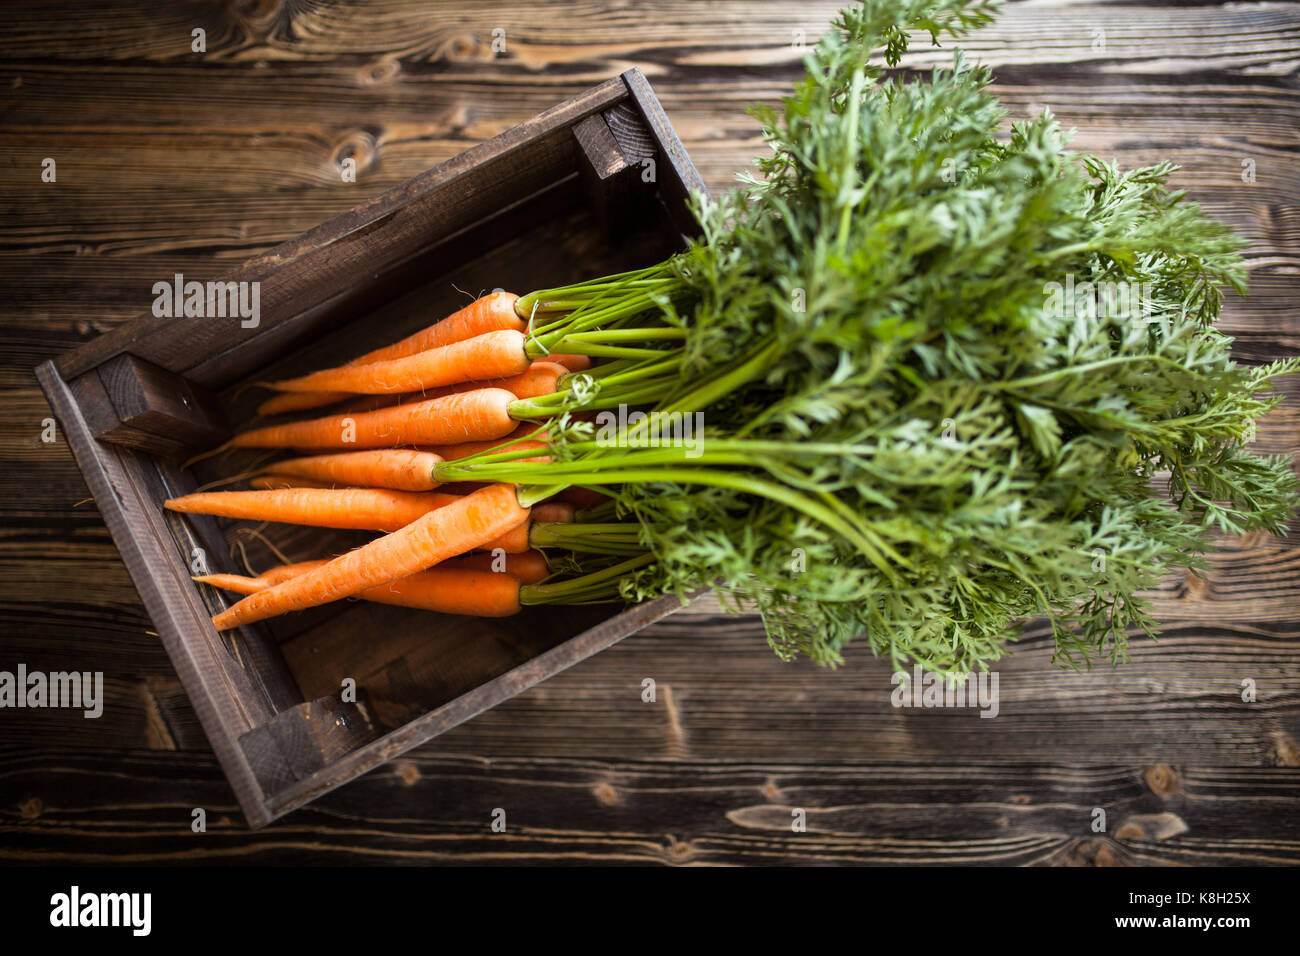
<point>595,185</point>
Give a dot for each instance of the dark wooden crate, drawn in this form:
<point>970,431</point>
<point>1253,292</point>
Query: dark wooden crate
<point>566,195</point>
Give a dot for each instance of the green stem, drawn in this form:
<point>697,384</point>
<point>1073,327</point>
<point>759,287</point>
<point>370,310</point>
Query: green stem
<point>1078,369</point>
<point>614,538</point>
<point>626,335</point>
<point>598,585</point>
<point>537,350</point>
<point>863,538</point>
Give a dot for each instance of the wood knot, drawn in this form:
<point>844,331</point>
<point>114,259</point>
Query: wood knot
<point>770,790</point>
<point>1093,851</point>
<point>1021,798</point>
<point>1151,826</point>
<point>257,17</point>
<point>382,71</point>
<point>678,851</point>
<point>1285,751</point>
<point>362,147</point>
<point>31,809</point>
<point>463,47</point>
<point>407,772</point>
<point>1163,780</point>
<point>1195,586</point>
<point>605,793</point>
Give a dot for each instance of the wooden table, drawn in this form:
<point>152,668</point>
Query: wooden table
<point>170,160</point>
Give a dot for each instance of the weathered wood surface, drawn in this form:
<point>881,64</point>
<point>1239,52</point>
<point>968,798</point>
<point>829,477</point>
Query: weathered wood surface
<point>172,161</point>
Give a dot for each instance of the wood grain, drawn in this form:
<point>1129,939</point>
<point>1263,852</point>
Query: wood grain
<point>171,161</point>
<point>429,808</point>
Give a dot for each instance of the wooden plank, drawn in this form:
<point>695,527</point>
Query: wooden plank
<point>436,809</point>
<point>226,704</point>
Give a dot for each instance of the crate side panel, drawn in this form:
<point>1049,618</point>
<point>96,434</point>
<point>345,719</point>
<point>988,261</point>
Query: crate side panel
<point>226,704</point>
<point>502,688</point>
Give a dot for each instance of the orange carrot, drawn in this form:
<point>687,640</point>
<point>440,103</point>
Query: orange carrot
<point>517,541</point>
<point>491,355</point>
<point>528,567</point>
<point>286,402</point>
<point>541,378</point>
<point>471,591</point>
<point>465,449</point>
<point>246,585</point>
<point>446,532</point>
<point>583,497</point>
<point>467,416</point>
<point>355,509</point>
<point>457,452</point>
<point>490,313</point>
<point>271,481</point>
<point>397,468</point>
<point>574,363</point>
<point>362,509</point>
<point>486,314</point>
<point>462,487</point>
<point>553,511</point>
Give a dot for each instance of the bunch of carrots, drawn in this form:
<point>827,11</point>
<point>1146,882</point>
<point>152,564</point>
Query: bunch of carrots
<point>461,387</point>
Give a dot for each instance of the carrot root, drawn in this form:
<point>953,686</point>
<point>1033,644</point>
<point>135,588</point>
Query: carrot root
<point>446,532</point>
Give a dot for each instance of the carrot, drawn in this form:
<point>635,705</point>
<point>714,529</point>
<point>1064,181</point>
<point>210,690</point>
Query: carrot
<point>457,452</point>
<point>467,416</point>
<point>488,313</point>
<point>465,449</point>
<point>286,402</point>
<point>491,355</point>
<point>517,540</point>
<point>553,511</point>
<point>574,363</point>
<point>513,541</point>
<point>355,509</point>
<point>583,497</point>
<point>361,509</point>
<point>247,585</point>
<point>541,378</point>
<point>462,487</point>
<point>397,468</point>
<point>271,481</point>
<point>446,590</point>
<point>446,532</point>
<point>528,567</point>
